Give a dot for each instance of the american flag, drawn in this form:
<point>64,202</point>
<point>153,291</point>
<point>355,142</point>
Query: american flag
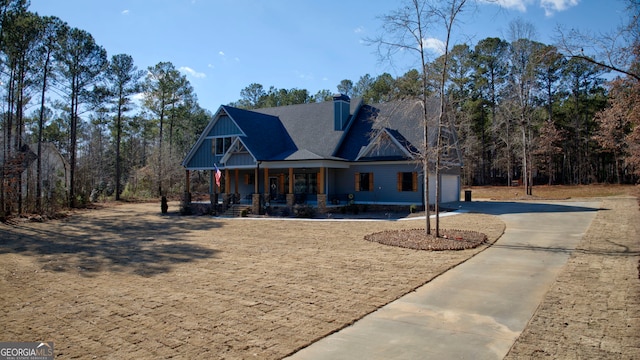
<point>218,175</point>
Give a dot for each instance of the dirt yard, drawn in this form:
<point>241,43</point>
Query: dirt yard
<point>128,282</point>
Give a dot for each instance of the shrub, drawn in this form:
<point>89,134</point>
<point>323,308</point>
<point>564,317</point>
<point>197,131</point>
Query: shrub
<point>304,211</point>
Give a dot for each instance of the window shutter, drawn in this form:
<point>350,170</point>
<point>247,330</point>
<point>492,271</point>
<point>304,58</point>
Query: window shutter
<point>399,183</point>
<point>415,181</point>
<point>357,181</point>
<point>371,182</point>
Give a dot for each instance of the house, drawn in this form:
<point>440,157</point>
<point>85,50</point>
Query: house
<point>324,154</point>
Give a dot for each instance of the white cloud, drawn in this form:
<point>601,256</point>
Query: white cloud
<point>520,5</point>
<point>210,66</point>
<point>125,12</point>
<point>552,6</point>
<point>221,53</point>
<point>358,30</point>
<point>304,76</point>
<point>434,44</point>
<point>190,71</point>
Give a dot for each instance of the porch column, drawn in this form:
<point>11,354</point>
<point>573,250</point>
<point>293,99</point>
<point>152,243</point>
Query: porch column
<point>322,197</point>
<point>256,180</point>
<point>187,191</point>
<point>281,183</point>
<point>227,182</point>
<point>266,181</point>
<point>321,181</point>
<point>291,198</point>
<point>235,182</point>
<point>290,181</point>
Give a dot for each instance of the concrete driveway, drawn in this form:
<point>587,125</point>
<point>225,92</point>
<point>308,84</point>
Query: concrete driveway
<point>478,309</point>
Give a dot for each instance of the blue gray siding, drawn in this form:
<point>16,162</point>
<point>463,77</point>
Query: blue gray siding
<point>240,159</point>
<point>224,126</point>
<point>203,158</point>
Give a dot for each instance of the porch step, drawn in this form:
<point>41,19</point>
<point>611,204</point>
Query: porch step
<point>236,210</point>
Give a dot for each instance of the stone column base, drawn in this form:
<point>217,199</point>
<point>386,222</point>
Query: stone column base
<point>322,203</point>
<point>291,200</point>
<point>255,204</point>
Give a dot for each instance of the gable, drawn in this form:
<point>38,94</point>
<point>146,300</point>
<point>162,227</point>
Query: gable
<point>403,122</point>
<point>224,126</point>
<point>384,147</point>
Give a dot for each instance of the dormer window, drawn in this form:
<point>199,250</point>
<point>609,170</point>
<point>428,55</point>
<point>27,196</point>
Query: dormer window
<point>221,145</point>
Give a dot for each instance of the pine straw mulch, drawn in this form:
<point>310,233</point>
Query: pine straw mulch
<point>417,239</point>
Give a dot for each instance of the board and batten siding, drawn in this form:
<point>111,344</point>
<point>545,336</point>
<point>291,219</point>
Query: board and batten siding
<point>203,158</point>
<point>240,159</point>
<point>224,126</point>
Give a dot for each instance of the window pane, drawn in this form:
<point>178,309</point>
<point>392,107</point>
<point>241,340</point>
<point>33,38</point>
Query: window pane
<point>364,182</point>
<point>305,183</point>
<point>219,146</point>
<point>407,181</point>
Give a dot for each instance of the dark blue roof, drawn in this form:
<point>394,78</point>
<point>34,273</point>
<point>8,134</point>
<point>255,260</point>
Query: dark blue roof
<point>307,131</point>
<point>266,138</point>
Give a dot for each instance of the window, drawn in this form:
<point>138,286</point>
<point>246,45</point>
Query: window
<point>408,181</point>
<point>305,183</point>
<point>221,145</point>
<point>364,181</point>
<point>249,179</point>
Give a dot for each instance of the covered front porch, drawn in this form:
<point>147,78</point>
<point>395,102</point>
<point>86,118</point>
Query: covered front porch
<point>273,185</point>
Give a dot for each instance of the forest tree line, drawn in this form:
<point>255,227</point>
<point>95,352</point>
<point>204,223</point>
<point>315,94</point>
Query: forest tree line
<point>575,120</point>
<point>59,88</point>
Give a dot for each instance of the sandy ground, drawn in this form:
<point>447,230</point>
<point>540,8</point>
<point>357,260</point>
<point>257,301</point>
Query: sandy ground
<point>127,282</point>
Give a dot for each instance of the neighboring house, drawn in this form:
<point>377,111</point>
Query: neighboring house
<point>54,171</point>
<point>324,154</point>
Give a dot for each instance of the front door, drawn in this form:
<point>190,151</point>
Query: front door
<point>273,187</point>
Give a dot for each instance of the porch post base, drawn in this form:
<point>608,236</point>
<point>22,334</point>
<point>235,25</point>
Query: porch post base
<point>213,198</point>
<point>291,200</point>
<point>226,198</point>
<point>255,203</point>
<point>322,203</point>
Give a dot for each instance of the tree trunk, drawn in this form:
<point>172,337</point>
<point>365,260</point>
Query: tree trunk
<point>40,127</point>
<point>118,138</point>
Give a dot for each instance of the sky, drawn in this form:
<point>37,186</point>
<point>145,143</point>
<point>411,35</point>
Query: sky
<point>223,46</point>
